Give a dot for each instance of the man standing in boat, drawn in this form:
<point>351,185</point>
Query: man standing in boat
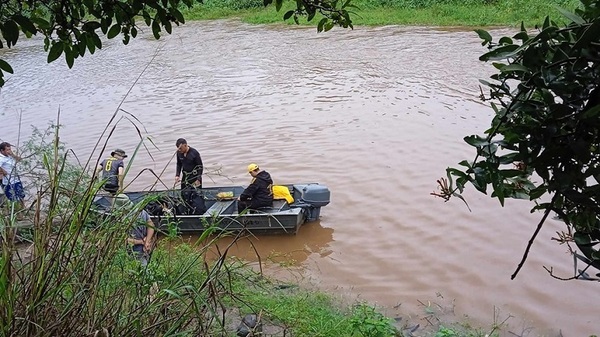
<point>259,193</point>
<point>189,163</point>
<point>113,171</point>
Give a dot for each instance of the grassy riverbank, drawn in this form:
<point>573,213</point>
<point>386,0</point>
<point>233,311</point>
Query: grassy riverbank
<point>399,12</point>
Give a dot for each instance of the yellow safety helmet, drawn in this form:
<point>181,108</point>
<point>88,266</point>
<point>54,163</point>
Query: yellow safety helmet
<point>252,167</point>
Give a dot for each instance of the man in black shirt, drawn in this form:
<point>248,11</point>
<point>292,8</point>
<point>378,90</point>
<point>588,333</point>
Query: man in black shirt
<point>190,165</point>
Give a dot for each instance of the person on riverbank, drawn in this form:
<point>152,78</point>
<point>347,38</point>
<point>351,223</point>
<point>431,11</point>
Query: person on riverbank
<point>113,171</point>
<point>259,193</point>
<point>141,235</point>
<point>11,183</point>
<point>2,197</point>
<point>189,172</point>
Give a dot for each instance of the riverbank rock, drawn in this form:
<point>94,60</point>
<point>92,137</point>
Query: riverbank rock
<point>250,326</point>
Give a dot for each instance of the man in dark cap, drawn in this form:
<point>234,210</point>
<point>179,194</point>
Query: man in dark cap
<point>113,171</point>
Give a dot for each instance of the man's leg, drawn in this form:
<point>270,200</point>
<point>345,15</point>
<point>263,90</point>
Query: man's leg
<point>243,205</point>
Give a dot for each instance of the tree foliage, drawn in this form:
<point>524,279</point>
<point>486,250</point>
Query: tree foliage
<point>544,140</point>
<point>73,27</point>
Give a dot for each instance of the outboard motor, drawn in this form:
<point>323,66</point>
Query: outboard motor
<point>315,196</point>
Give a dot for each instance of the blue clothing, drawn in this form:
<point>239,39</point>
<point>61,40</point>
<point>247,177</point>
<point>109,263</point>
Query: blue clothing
<point>140,231</point>
<point>14,191</point>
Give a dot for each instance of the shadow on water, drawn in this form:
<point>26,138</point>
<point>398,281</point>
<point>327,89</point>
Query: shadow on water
<point>292,250</point>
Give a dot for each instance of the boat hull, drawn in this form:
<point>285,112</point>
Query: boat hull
<point>222,215</point>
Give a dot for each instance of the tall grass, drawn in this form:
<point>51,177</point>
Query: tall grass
<point>77,278</point>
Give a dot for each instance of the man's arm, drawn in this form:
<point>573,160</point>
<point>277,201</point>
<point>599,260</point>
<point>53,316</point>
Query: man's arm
<point>199,165</point>
<point>149,239</point>
<point>121,177</point>
<point>98,170</point>
<point>177,168</point>
<point>249,191</point>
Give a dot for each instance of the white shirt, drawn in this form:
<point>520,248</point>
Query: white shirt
<point>8,164</point>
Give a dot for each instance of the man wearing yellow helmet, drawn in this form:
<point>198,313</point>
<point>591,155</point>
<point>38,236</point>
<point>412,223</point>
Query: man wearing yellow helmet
<point>258,194</point>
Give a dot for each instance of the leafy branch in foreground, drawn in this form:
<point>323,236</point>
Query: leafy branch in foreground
<point>73,27</point>
<point>544,140</point>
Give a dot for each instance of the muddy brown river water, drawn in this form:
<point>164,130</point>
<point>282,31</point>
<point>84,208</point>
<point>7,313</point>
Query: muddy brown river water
<point>376,114</point>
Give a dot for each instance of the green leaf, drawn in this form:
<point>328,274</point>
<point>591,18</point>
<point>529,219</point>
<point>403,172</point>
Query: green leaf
<point>521,36</point>
<point>82,45</point>
<point>571,16</point>
<point>278,4</point>
<point>91,42</point>
<point>69,58</point>
<point>40,22</point>
<point>476,141</point>
<point>156,29</point>
<point>590,34</point>
<point>4,66</point>
<point>55,51</point>
<point>321,24</point>
<point>288,15</point>
<point>177,14</point>
<point>508,158</point>
<point>591,113</point>
<point>113,31</point>
<point>25,23</point>
<point>582,239</point>
<point>510,173</point>
<point>500,53</point>
<point>505,40</point>
<point>465,163</point>
<point>514,67</point>
<point>484,35</point>
<point>546,23</point>
<point>105,24</point>
<point>90,26</point>
<point>10,32</point>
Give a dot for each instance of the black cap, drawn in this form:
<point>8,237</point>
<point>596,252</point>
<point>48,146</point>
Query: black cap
<point>119,152</point>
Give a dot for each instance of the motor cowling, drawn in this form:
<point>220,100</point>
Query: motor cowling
<point>316,195</point>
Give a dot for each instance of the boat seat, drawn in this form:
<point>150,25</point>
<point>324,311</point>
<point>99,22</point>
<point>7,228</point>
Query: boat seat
<point>278,205</point>
<point>218,207</point>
